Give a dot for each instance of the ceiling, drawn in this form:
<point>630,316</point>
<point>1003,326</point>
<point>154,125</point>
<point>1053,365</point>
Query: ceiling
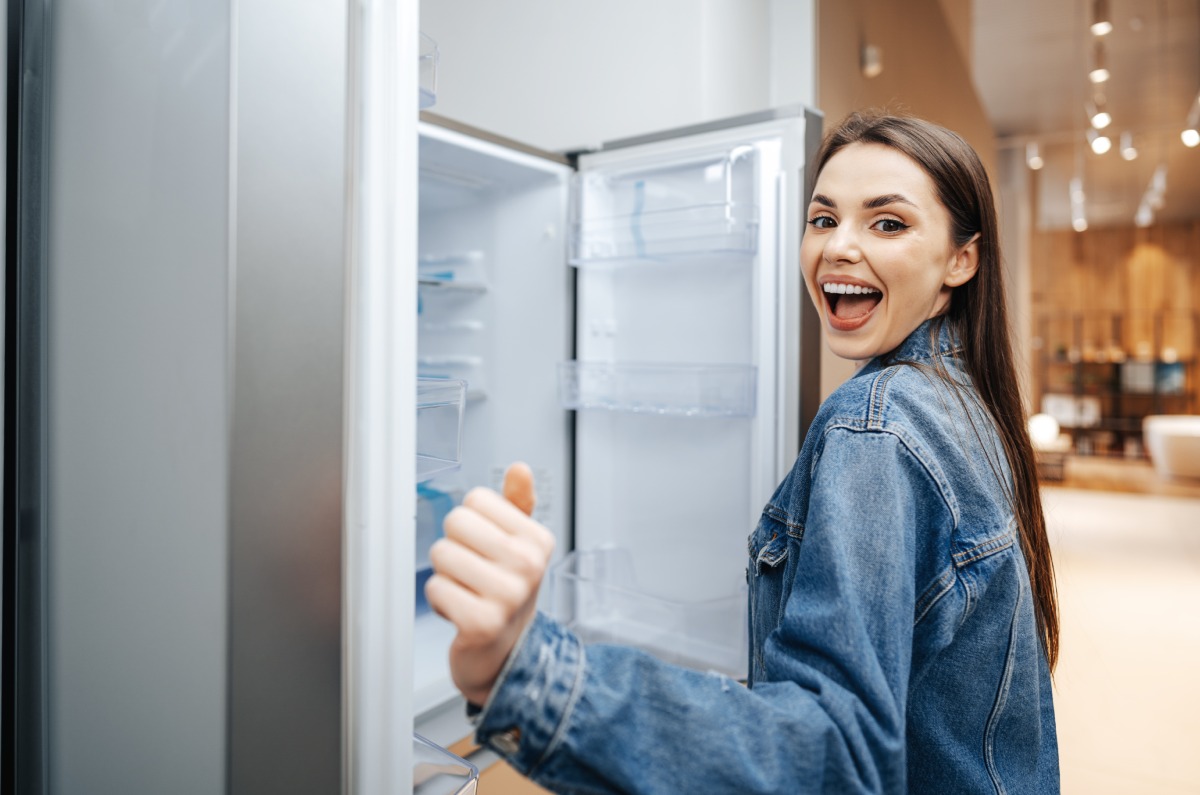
<point>1031,59</point>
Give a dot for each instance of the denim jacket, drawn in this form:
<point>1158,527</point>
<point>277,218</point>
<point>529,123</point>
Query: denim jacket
<point>893,645</point>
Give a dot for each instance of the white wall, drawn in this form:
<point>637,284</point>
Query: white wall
<point>568,75</point>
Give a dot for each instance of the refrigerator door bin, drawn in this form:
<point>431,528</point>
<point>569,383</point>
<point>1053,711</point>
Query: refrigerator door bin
<point>436,771</point>
<point>714,230</point>
<point>714,390</point>
<point>439,425</point>
<point>685,208</point>
<point>428,54</point>
<point>594,595</point>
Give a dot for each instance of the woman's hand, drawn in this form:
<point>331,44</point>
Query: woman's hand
<point>487,571</point>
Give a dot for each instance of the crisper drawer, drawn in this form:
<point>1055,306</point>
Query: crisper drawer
<point>594,594</point>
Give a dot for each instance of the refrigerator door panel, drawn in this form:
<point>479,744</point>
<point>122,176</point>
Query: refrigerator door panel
<point>494,310</point>
<point>684,249</point>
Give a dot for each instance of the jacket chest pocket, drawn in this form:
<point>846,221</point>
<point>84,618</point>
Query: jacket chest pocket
<point>769,579</point>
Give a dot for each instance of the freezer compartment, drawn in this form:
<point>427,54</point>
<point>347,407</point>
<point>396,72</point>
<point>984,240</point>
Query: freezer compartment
<point>689,208</point>
<point>439,425</point>
<point>436,771</point>
<point>686,390</point>
<point>594,594</point>
<point>428,53</point>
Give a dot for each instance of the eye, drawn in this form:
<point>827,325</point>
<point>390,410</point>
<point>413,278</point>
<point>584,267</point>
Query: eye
<point>890,226</point>
<point>822,222</point>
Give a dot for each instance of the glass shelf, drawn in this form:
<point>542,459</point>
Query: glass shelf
<point>428,55</point>
<point>670,389</point>
<point>440,404</point>
<point>436,771</point>
<point>594,594</point>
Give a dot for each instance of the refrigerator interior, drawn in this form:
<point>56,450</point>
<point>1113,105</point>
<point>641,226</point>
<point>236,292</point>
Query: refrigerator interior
<point>494,319</point>
<point>676,387</point>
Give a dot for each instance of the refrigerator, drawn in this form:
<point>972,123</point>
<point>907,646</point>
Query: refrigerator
<point>632,323</point>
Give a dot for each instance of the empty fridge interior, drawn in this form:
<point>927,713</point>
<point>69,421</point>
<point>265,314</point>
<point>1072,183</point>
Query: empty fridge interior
<point>494,312</point>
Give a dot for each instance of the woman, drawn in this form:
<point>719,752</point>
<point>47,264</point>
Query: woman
<point>902,605</point>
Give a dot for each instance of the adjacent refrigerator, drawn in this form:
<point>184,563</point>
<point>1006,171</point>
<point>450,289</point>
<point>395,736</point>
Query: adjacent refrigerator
<point>632,323</point>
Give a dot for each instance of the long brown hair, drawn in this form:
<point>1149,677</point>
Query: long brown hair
<point>978,315</point>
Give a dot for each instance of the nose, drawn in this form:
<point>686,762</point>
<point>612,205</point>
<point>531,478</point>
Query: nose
<point>842,246</point>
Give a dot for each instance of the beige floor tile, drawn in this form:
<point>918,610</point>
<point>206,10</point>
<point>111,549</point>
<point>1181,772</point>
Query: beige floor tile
<point>1127,688</point>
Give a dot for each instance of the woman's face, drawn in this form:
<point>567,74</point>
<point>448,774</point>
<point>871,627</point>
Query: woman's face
<point>878,256</point>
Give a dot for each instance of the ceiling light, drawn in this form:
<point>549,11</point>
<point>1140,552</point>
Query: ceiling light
<point>1191,133</point>
<point>1079,224</point>
<point>1144,216</point>
<point>1076,187</point>
<point>1099,71</point>
<point>1128,150</point>
<point>1033,156</point>
<point>1101,19</point>
<point>1099,143</point>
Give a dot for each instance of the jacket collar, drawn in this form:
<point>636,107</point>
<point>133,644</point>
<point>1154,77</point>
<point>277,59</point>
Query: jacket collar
<point>920,346</point>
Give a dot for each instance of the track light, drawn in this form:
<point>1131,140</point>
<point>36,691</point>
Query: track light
<point>1078,218</point>
<point>1101,18</point>
<point>1033,156</point>
<point>1099,71</point>
<point>1100,117</point>
<point>871,60</point>
<point>1100,143</point>
<point>1128,150</point>
<point>1191,132</point>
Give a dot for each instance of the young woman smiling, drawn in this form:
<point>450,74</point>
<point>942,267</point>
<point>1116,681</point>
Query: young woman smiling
<point>903,621</point>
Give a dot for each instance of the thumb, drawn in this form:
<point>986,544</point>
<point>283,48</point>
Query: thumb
<point>518,487</point>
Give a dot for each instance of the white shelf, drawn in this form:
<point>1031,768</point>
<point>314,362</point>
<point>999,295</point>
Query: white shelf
<point>595,595</point>
<point>436,771</point>
<point>683,390</point>
<point>440,403</point>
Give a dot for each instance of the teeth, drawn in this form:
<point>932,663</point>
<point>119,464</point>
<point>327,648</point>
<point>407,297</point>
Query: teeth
<point>852,289</point>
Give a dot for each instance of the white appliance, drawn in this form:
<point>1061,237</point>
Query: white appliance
<point>632,323</point>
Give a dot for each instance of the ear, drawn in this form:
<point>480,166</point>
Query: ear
<point>964,265</point>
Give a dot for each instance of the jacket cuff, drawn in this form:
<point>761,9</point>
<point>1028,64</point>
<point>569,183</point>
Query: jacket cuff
<point>529,708</point>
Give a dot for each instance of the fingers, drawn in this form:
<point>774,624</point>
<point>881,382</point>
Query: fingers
<point>518,487</point>
<point>508,517</point>
<point>476,532</point>
<point>473,616</point>
<point>481,576</point>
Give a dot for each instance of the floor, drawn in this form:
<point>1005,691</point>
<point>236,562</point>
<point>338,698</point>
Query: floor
<point>1127,686</point>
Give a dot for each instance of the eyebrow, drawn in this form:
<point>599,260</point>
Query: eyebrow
<point>869,204</point>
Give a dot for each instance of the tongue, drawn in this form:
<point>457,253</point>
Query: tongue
<point>850,307</point>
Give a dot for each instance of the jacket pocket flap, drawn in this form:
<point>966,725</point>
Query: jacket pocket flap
<point>768,544</point>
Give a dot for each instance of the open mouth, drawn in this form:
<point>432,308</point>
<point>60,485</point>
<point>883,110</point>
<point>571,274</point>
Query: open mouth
<point>850,304</point>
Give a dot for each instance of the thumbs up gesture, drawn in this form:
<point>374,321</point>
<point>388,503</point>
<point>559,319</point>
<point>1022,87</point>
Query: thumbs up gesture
<point>487,570</point>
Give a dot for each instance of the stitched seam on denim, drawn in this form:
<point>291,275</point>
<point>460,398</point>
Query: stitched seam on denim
<point>878,388</point>
<point>989,734</point>
<point>934,593</point>
<point>782,517</point>
<point>985,548</point>
<point>568,708</point>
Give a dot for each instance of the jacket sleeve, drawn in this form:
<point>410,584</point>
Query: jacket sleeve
<point>829,714</point>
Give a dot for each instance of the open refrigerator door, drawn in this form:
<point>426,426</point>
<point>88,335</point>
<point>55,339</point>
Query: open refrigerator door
<point>683,383</point>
